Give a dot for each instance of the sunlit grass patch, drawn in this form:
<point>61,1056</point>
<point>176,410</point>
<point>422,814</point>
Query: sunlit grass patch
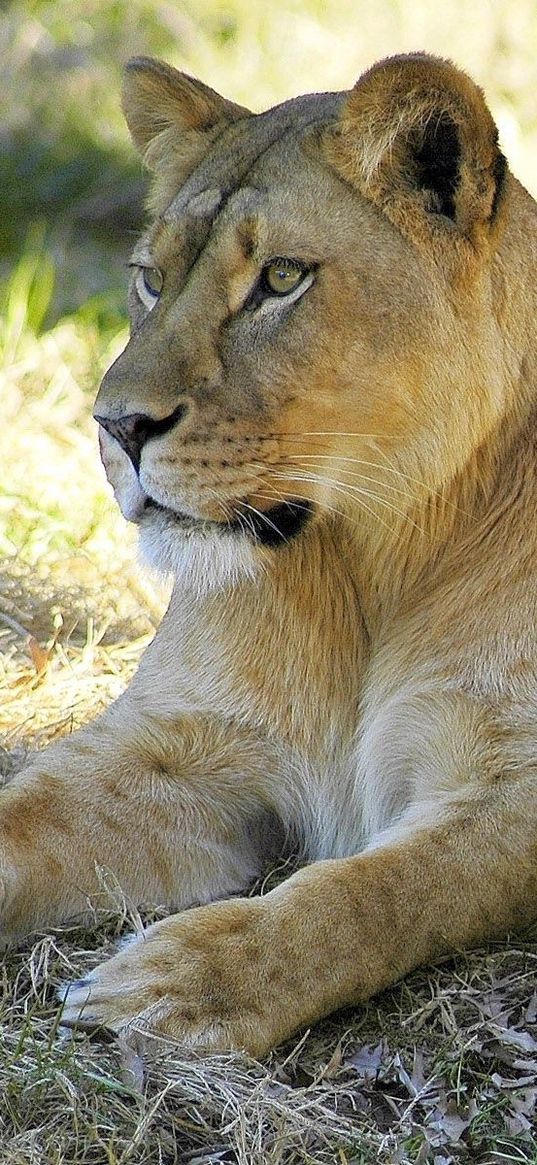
<point>74,613</point>
<point>53,494</point>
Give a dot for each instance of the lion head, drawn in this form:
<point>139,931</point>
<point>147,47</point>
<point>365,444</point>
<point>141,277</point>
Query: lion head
<point>312,329</point>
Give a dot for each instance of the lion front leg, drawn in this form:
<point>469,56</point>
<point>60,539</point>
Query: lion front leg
<point>248,973</point>
<point>178,815</point>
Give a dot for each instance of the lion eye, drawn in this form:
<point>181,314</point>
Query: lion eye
<point>152,278</point>
<point>149,283</point>
<point>282,276</point>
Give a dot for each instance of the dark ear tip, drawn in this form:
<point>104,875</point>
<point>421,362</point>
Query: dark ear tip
<point>500,174</point>
<point>139,62</point>
<point>145,65</point>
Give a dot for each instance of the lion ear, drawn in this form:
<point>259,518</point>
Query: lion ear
<point>172,118</point>
<point>415,136</point>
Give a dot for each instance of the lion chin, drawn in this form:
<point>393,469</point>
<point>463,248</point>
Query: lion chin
<point>204,556</point>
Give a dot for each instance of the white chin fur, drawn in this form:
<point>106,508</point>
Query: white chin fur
<point>201,560</point>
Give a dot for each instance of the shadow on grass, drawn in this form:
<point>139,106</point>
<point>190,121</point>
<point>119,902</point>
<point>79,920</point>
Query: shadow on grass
<point>89,204</point>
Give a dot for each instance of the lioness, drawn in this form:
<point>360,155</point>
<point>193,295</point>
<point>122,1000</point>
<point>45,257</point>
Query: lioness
<point>325,426</point>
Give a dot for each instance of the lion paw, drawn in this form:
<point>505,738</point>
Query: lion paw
<point>202,978</point>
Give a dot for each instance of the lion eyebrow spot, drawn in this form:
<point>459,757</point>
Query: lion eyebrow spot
<point>206,203</point>
<point>247,234</point>
<point>202,205</point>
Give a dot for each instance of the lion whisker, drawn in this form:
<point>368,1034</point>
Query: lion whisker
<point>361,476</point>
<point>332,456</point>
<point>281,496</point>
<point>347,489</point>
<point>265,519</point>
<point>324,505</point>
<point>315,479</point>
<point>332,433</point>
<point>384,468</point>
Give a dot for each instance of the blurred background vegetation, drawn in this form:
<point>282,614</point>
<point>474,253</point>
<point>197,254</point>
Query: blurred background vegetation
<point>71,189</point>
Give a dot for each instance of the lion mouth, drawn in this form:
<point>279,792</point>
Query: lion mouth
<point>272,527</point>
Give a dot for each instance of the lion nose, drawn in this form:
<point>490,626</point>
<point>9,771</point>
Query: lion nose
<point>133,430</point>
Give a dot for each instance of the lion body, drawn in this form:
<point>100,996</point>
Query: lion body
<point>342,476</point>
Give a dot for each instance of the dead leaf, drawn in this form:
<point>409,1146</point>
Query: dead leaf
<point>131,1064</point>
<point>40,656</point>
<point>332,1067</point>
<point>516,1038</point>
<point>368,1061</point>
<point>531,1010</point>
<point>517,1123</point>
<point>509,1083</point>
<point>526,1103</point>
<point>452,1124</point>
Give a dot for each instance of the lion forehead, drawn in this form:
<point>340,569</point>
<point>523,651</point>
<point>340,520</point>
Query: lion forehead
<point>239,147</point>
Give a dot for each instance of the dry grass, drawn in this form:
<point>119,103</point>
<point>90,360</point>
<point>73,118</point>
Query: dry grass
<point>74,613</point>
<point>443,1068</point>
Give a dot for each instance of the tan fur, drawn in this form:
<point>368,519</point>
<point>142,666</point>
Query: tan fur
<point>367,690</point>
